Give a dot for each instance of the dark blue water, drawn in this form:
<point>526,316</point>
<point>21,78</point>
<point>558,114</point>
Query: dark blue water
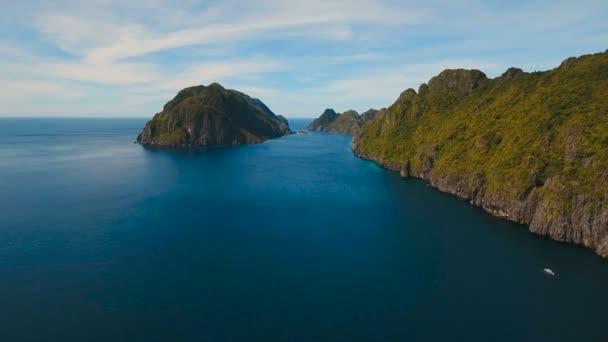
<point>291,240</point>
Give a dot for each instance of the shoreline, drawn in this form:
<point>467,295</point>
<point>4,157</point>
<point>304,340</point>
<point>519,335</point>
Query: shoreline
<point>526,212</point>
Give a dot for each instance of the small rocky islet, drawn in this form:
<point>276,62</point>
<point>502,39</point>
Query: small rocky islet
<point>205,116</point>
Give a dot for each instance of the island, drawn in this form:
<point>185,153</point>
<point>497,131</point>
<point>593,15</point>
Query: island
<point>349,122</point>
<point>204,116</point>
<point>529,147</point>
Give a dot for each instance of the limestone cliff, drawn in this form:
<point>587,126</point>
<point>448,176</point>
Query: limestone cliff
<point>530,147</point>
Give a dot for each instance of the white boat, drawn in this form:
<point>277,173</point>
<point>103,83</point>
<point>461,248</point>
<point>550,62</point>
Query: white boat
<point>549,272</point>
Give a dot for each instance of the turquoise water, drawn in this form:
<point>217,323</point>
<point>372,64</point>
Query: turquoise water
<point>291,240</point>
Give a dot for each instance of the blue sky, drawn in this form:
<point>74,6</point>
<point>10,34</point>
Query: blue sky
<point>117,58</point>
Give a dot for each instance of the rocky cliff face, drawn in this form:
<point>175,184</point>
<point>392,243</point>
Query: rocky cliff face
<point>349,122</point>
<point>212,116</point>
<point>529,147</point>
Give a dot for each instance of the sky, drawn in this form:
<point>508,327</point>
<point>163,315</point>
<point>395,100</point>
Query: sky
<point>118,58</point>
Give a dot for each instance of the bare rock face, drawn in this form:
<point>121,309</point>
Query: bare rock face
<point>212,116</point>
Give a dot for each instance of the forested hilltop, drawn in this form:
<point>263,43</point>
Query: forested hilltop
<point>202,116</point>
<point>349,122</point>
<point>531,147</point>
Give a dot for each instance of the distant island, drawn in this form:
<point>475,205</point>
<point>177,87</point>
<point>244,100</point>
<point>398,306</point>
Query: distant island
<point>203,116</point>
<point>349,122</point>
<point>529,147</point>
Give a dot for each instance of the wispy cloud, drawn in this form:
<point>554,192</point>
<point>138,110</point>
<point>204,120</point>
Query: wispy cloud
<point>14,88</point>
<point>210,72</point>
<point>115,56</point>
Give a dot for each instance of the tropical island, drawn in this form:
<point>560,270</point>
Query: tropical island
<point>529,147</point>
<point>204,116</point>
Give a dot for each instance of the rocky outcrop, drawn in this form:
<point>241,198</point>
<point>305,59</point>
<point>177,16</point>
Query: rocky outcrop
<point>370,114</point>
<point>212,116</point>
<point>528,147</point>
<point>349,122</point>
<point>459,81</point>
<point>322,122</point>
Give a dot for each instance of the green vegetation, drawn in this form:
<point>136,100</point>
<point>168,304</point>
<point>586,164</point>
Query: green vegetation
<point>532,147</point>
<point>515,131</point>
<point>212,115</point>
<point>349,122</point>
<point>328,116</point>
<point>175,137</point>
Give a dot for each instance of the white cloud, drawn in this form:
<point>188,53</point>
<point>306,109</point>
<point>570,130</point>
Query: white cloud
<point>115,73</point>
<point>14,88</point>
<point>217,71</point>
<point>297,56</point>
<point>76,34</point>
<point>103,38</point>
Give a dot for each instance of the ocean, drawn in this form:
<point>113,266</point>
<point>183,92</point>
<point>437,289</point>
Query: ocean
<point>294,239</point>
